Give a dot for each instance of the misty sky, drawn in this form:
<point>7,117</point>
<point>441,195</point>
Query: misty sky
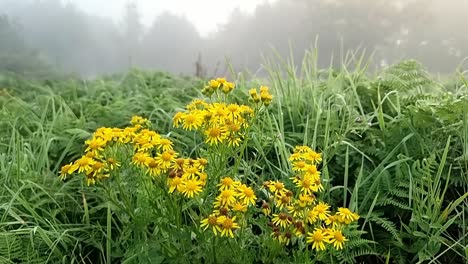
<point>204,14</point>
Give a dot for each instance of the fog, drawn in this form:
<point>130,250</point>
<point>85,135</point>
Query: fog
<point>52,35</point>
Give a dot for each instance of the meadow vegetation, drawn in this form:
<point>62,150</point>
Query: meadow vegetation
<point>302,165</point>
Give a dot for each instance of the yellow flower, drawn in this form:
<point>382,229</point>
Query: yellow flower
<point>305,200</point>
<point>312,216</point>
<point>227,225</point>
<point>311,171</point>
<point>225,198</point>
<point>346,216</point>
<point>264,89</point>
<point>174,184</point>
<point>299,165</point>
<point>97,168</point>
<point>215,135</point>
<point>254,95</point>
<point>306,185</point>
<point>214,84</point>
<point>239,207</point>
<point>299,229</point>
<point>153,168</point>
<point>285,238</point>
<point>228,87</point>
<point>302,149</point>
<point>66,170</point>
<point>83,164</point>
<point>190,171</point>
<point>95,145</point>
<point>234,110</point>
<point>322,211</point>
<point>165,159</point>
<point>313,156</point>
<point>276,187</point>
<point>179,164</point>
<point>337,239</point>
<point>317,239</point>
<point>191,187</point>
<point>295,156</point>
<point>202,178</point>
<point>164,144</point>
<point>104,133</point>
<point>234,141</point>
<point>221,80</point>
<point>90,179</point>
<point>266,210</point>
<point>211,221</point>
<point>200,163</point>
<point>138,120</point>
<point>192,121</point>
<point>143,142</point>
<point>283,199</point>
<point>247,195</point>
<point>112,163</point>
<point>296,210</point>
<point>282,219</point>
<point>177,119</point>
<point>197,104</point>
<point>140,158</point>
<point>227,183</point>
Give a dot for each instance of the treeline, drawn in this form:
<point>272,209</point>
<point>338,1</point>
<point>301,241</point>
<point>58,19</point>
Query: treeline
<point>50,34</point>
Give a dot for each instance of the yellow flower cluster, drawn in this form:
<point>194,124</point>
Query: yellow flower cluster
<point>220,123</point>
<point>187,176</point>
<point>218,84</point>
<point>303,215</point>
<point>265,97</point>
<point>96,164</point>
<point>232,202</point>
<point>151,152</point>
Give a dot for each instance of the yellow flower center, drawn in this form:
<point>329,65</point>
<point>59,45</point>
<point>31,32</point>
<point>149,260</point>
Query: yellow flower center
<point>190,186</point>
<point>279,185</point>
<point>317,236</point>
<point>227,181</point>
<point>215,132</point>
<point>166,156</point>
<point>190,119</point>
<point>312,169</point>
<point>191,170</point>
<point>226,194</point>
<point>165,142</point>
<point>306,183</point>
<point>152,164</point>
<point>65,168</point>
<point>282,216</point>
<point>248,193</point>
<point>234,127</point>
<point>228,223</point>
<point>176,181</point>
<point>83,162</point>
<point>212,220</point>
<point>180,162</point>
<point>301,164</point>
<point>232,108</point>
<point>94,145</point>
<point>97,166</point>
<point>338,237</point>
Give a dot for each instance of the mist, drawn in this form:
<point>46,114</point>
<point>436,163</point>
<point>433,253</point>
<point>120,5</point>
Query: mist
<point>50,35</point>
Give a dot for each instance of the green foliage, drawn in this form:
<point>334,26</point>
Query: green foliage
<point>394,148</point>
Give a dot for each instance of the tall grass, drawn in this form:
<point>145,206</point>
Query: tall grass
<point>394,146</point>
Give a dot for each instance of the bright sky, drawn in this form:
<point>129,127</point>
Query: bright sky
<point>206,15</point>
